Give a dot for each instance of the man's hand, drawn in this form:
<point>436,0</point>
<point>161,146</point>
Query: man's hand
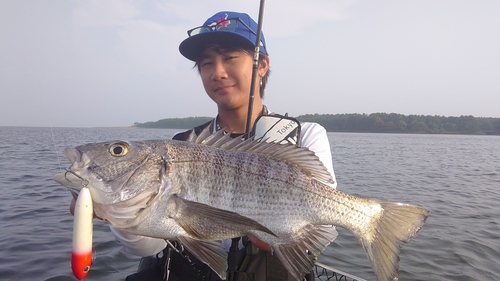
<point>259,243</point>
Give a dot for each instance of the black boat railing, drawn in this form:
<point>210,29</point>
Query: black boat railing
<point>328,273</point>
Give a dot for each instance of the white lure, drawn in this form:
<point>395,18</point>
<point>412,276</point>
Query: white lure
<point>81,255</point>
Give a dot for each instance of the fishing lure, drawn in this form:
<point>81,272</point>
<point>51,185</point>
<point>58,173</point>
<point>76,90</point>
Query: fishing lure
<point>81,255</point>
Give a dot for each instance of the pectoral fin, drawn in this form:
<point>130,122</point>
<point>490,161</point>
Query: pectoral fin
<point>208,223</point>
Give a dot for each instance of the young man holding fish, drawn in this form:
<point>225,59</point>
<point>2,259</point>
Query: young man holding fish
<point>216,186</point>
<point>222,49</point>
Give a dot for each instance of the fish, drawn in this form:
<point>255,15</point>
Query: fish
<point>213,187</point>
<point>81,253</point>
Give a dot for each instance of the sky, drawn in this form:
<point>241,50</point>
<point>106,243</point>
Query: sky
<point>107,63</point>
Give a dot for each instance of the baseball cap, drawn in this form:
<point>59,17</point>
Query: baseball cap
<point>233,27</point>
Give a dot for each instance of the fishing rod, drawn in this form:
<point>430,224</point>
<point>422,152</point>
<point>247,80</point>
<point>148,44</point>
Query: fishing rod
<point>254,69</point>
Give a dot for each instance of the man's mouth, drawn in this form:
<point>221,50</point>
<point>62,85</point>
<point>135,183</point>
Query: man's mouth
<point>222,88</point>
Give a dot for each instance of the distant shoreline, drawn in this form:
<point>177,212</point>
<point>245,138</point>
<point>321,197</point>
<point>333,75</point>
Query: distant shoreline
<point>368,123</point>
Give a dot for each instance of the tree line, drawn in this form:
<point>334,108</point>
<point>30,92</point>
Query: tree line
<point>174,123</point>
<point>372,123</point>
<point>399,123</point>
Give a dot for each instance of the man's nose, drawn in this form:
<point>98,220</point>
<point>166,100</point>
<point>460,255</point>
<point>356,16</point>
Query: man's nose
<point>219,71</point>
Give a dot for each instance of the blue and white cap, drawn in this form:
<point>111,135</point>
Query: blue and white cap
<point>236,28</point>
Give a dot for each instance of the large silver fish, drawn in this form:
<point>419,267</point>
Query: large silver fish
<point>212,187</point>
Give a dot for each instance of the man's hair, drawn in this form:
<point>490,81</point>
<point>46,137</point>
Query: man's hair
<point>228,47</point>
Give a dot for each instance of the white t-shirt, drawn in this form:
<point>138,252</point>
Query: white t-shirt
<point>313,136</point>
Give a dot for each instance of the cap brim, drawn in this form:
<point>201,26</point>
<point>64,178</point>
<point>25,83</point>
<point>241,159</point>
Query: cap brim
<point>193,47</point>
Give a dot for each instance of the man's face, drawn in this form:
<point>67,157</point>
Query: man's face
<point>226,77</point>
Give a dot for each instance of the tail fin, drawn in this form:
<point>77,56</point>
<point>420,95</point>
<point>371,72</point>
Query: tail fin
<point>398,222</point>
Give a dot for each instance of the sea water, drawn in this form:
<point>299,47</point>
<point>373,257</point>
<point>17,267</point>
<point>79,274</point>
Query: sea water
<point>456,177</point>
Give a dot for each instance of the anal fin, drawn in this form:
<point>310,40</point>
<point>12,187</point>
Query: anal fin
<point>298,256</point>
<point>211,253</point>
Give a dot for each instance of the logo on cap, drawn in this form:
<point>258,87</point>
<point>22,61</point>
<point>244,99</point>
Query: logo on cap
<point>221,22</point>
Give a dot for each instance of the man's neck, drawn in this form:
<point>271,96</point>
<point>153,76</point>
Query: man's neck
<point>234,121</point>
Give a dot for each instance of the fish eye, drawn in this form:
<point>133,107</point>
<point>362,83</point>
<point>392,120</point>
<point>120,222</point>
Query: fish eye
<point>86,269</point>
<point>118,149</point>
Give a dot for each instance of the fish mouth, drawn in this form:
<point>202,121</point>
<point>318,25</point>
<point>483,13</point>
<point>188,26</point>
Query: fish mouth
<point>71,181</point>
<point>76,176</point>
<point>74,155</point>
<point>70,178</point>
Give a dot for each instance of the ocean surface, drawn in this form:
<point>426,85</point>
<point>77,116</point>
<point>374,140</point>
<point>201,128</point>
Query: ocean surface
<point>456,177</point>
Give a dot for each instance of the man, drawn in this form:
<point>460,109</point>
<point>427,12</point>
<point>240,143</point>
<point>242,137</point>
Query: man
<point>222,49</point>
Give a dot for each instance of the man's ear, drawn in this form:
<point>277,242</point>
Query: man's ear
<point>264,66</point>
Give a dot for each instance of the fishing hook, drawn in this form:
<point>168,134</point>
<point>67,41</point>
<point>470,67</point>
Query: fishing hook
<point>84,181</point>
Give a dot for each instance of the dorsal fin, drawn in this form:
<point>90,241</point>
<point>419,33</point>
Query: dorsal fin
<point>302,157</point>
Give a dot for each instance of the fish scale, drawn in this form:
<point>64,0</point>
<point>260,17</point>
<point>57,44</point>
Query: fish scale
<point>248,188</point>
<point>249,184</point>
<point>214,187</point>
